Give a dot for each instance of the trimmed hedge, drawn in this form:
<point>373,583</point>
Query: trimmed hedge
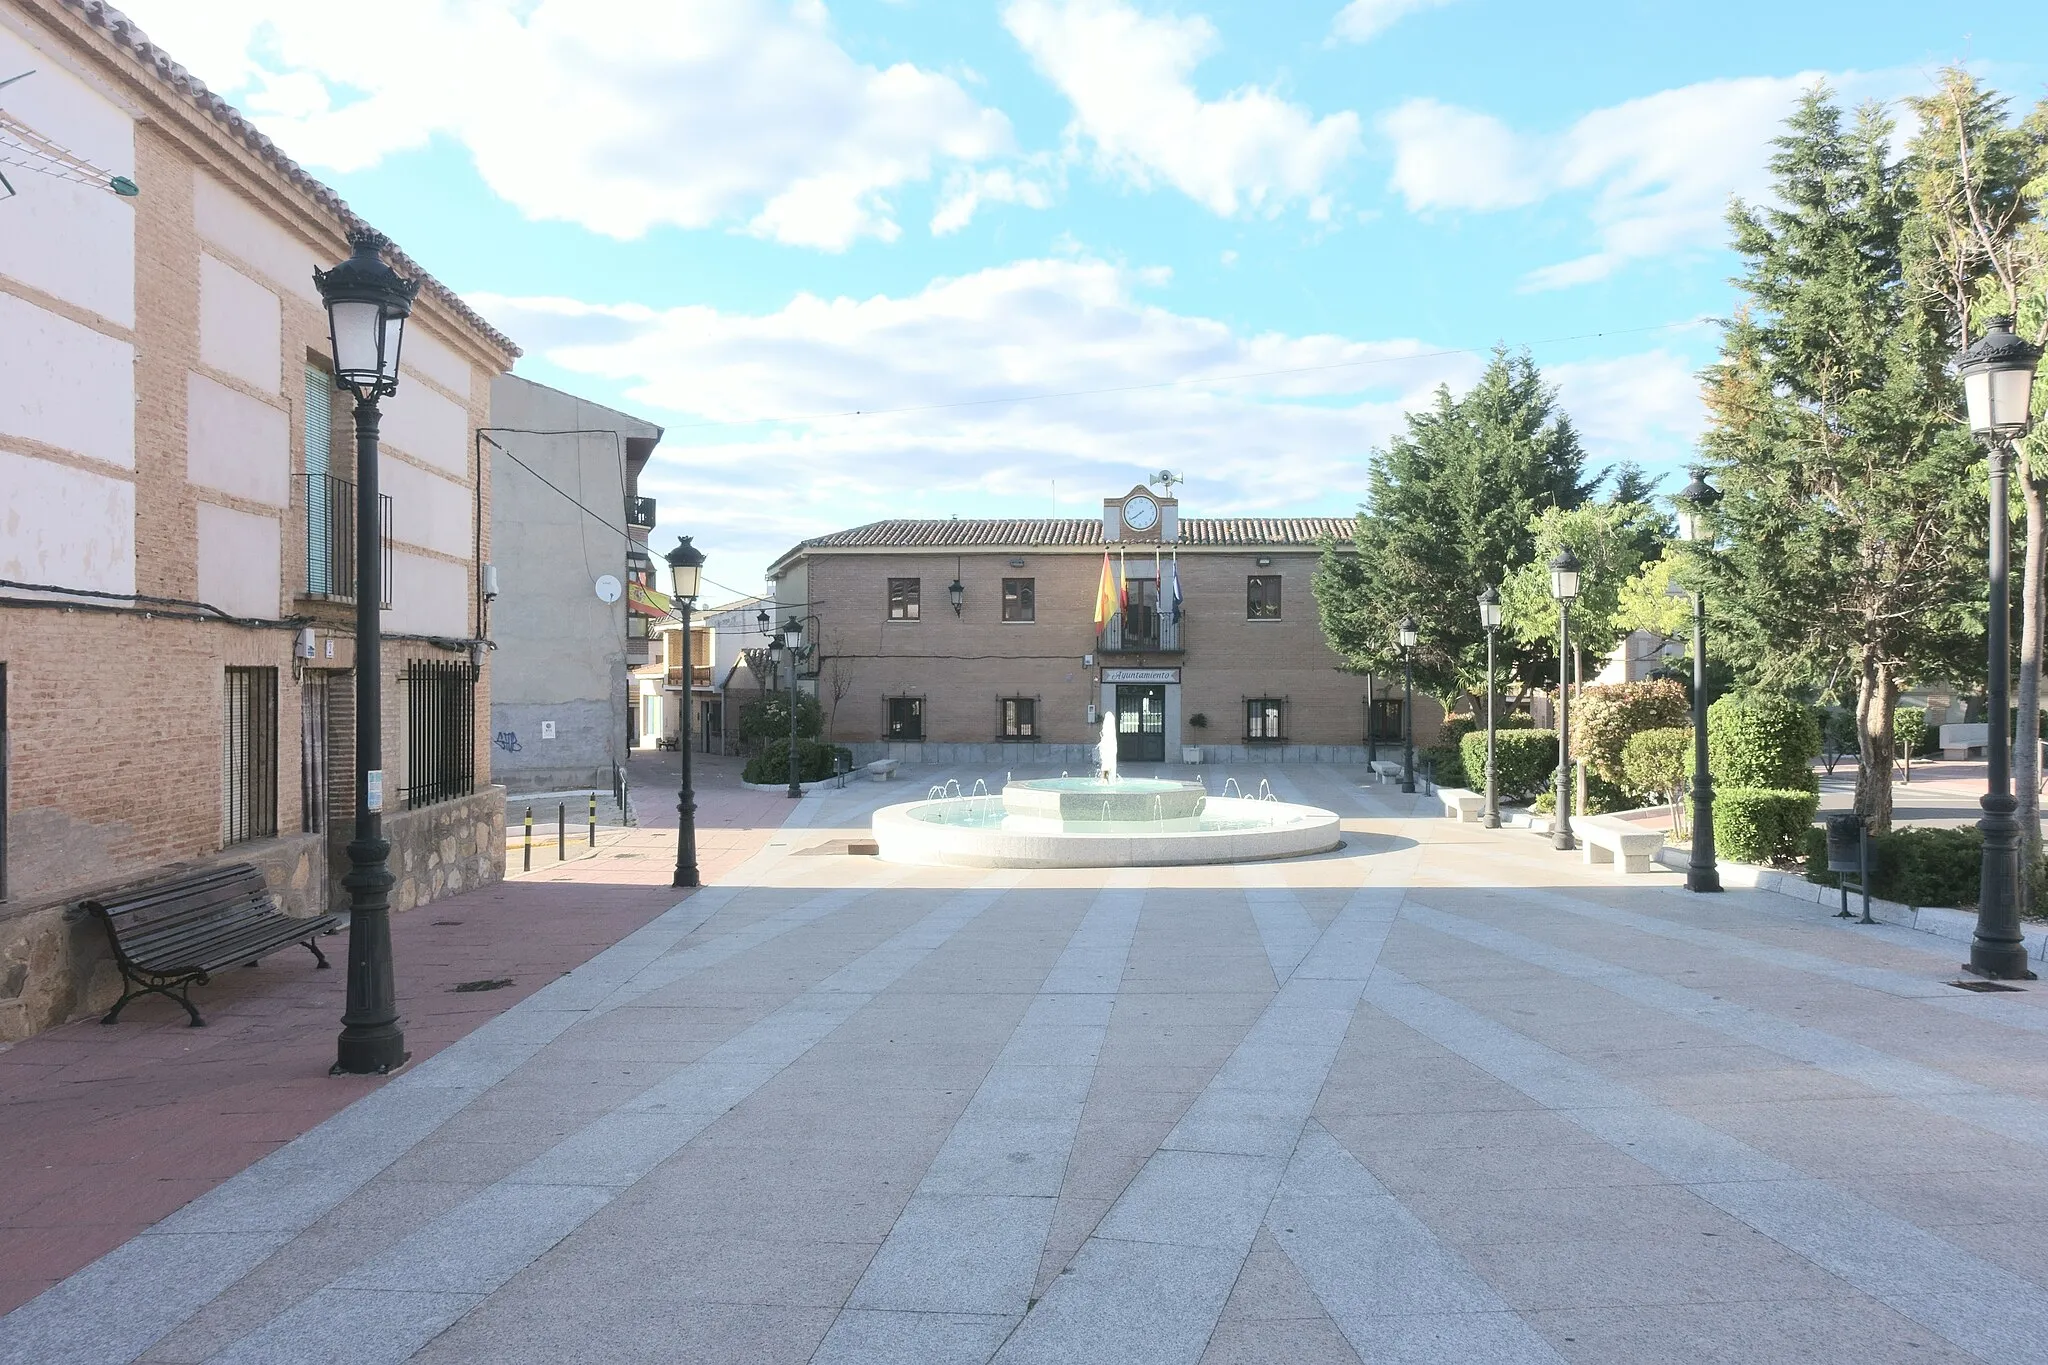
<point>1764,743</point>
<point>1910,730</point>
<point>1602,796</point>
<point>1657,762</point>
<point>814,760</point>
<point>1522,760</point>
<point>1762,825</point>
<point>1912,866</point>
<point>1605,715</point>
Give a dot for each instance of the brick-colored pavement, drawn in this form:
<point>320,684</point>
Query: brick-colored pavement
<point>108,1130</point>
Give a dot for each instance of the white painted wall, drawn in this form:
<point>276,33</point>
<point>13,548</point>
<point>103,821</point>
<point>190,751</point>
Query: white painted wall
<point>73,241</point>
<point>428,597</point>
<point>426,355</point>
<point>238,561</point>
<point>428,427</point>
<point>240,325</point>
<point>65,384</point>
<point>235,443</point>
<point>426,509</point>
<point>65,526</point>
<point>242,230</point>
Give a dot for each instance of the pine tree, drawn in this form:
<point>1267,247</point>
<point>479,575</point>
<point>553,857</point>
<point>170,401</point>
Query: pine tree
<point>1449,509</point>
<point>1853,509</point>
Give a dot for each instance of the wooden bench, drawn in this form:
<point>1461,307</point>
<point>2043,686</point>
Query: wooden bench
<point>1629,847</point>
<point>1461,805</point>
<point>170,936</point>
<point>882,769</point>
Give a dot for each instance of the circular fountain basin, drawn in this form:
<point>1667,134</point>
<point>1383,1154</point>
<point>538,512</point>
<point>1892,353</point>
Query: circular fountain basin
<point>984,831</point>
<point>1057,802</point>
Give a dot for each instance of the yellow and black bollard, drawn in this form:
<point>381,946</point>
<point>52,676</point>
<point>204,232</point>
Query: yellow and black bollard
<point>593,819</point>
<point>526,863</point>
<point>561,831</point>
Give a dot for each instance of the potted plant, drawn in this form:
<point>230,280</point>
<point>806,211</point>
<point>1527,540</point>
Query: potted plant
<point>1192,753</point>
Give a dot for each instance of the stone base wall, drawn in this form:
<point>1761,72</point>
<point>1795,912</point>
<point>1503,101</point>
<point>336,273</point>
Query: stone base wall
<point>54,959</point>
<point>440,850</point>
<point>1081,758</point>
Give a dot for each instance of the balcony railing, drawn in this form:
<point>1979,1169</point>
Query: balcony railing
<point>1140,632</point>
<point>640,512</point>
<point>700,676</point>
<point>331,538</point>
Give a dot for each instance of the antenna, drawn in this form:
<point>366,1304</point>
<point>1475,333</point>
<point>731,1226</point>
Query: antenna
<point>23,146</point>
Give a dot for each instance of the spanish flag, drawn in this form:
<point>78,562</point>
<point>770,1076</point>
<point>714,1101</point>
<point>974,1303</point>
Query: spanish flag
<point>1105,595</point>
<point>645,601</point>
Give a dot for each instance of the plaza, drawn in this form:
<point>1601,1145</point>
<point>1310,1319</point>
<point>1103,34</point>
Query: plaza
<point>1444,1094</point>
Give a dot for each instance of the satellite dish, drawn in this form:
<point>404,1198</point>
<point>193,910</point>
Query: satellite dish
<point>609,589</point>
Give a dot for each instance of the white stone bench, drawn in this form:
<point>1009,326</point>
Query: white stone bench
<point>1384,771</point>
<point>1957,741</point>
<point>1461,805</point>
<point>1604,839</point>
<point>882,769</point>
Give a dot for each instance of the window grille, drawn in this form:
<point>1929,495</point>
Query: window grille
<point>440,733</point>
<point>249,755</point>
<point>905,719</point>
<point>1018,718</point>
<point>1262,717</point>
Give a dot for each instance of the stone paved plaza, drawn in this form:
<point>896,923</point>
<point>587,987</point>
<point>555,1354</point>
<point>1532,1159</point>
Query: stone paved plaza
<point>1441,1096</point>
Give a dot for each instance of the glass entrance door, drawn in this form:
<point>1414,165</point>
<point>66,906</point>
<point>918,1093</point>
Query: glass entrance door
<point>1140,724</point>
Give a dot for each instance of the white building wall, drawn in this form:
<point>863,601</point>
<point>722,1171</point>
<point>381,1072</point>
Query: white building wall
<point>428,597</point>
<point>428,427</point>
<point>65,527</point>
<point>239,561</point>
<point>425,355</point>
<point>240,325</point>
<point>246,233</point>
<point>236,444</point>
<point>65,384</point>
<point>427,510</point>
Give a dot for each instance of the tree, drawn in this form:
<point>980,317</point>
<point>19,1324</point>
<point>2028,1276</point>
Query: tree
<point>1449,509</point>
<point>1851,511</point>
<point>1612,541</point>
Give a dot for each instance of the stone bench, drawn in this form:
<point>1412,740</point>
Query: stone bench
<point>1628,846</point>
<point>1461,805</point>
<point>1385,771</point>
<point>1958,741</point>
<point>882,769</point>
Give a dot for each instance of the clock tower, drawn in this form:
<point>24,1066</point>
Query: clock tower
<point>1141,516</point>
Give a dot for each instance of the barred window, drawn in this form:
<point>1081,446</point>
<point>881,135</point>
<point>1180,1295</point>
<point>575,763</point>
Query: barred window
<point>1262,720</point>
<point>903,599</point>
<point>1019,718</point>
<point>248,766</point>
<point>1020,599</point>
<point>440,732</point>
<point>906,719</point>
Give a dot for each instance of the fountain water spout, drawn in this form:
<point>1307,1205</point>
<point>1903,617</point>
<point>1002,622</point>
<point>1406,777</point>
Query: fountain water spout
<point>1106,750</point>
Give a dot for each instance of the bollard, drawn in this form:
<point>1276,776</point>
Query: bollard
<point>526,862</point>
<point>561,831</point>
<point>593,819</point>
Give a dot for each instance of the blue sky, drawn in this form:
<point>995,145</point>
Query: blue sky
<point>748,219</point>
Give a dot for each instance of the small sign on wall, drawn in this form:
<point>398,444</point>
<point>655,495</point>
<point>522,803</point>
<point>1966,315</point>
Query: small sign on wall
<point>1141,675</point>
<point>373,789</point>
<point>547,729</point>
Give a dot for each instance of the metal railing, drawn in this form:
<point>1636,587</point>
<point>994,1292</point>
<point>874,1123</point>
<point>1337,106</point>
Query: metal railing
<point>440,731</point>
<point>331,538</point>
<point>1139,632</point>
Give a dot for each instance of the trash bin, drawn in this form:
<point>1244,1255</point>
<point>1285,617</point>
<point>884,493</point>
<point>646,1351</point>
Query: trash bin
<point>1845,839</point>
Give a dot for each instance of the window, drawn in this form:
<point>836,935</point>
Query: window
<point>1386,718</point>
<point>1020,599</point>
<point>1262,597</point>
<point>314,775</point>
<point>440,731</point>
<point>903,599</point>
<point>1019,718</point>
<point>248,766</point>
<point>906,718</point>
<point>1262,720</point>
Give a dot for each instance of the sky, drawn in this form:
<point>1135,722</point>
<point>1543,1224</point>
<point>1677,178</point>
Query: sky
<point>883,258</point>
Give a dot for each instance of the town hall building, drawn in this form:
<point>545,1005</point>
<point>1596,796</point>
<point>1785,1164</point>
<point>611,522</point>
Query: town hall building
<point>995,641</point>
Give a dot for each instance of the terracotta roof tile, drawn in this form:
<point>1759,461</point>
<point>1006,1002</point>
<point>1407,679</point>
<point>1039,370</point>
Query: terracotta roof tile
<point>1041,532</point>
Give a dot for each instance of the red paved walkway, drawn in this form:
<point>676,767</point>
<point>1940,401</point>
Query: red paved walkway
<point>107,1130</point>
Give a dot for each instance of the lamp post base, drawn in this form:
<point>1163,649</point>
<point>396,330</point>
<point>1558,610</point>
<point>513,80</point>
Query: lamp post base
<point>2004,965</point>
<point>1702,879</point>
<point>372,1052</point>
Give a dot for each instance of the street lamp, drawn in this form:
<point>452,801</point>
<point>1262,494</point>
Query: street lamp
<point>686,571</point>
<point>1407,634</point>
<point>1564,586</point>
<point>367,305</point>
<point>1489,618</point>
<point>1998,381</point>
<point>1693,503</point>
<point>793,638</point>
<point>956,593</point>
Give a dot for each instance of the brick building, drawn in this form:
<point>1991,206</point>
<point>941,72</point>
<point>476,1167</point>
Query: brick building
<point>976,641</point>
<point>177,520</point>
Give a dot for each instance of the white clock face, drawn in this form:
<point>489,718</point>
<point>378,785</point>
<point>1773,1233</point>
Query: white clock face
<point>1140,513</point>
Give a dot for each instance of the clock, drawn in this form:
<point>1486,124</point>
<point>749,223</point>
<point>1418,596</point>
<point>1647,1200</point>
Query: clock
<point>1140,512</point>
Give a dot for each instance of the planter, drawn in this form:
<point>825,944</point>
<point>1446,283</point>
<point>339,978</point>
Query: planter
<point>1191,753</point>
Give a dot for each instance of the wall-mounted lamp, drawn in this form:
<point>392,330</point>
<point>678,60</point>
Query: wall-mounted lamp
<point>956,593</point>
<point>1016,563</point>
<point>1265,561</point>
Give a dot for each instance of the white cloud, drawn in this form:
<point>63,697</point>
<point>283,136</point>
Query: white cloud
<point>1643,407</point>
<point>944,381</point>
<point>968,189</point>
<point>1362,20</point>
<point>1128,77</point>
<point>618,116</point>
<point>1660,169</point>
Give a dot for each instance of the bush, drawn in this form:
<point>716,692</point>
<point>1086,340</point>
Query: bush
<point>1762,825</point>
<point>1602,796</point>
<point>1605,715</point>
<point>1447,766</point>
<point>1912,866</point>
<point>765,720</point>
<point>1910,730</point>
<point>1765,743</point>
<point>1522,759</point>
<point>1657,762</point>
<point>1837,735</point>
<point>814,760</point>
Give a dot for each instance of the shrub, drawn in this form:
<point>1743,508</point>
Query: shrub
<point>1657,762</point>
<point>814,760</point>
<point>1605,715</point>
<point>765,720</point>
<point>1762,825</point>
<point>1837,735</point>
<point>1762,742</point>
<point>1521,760</point>
<point>1910,730</point>
<point>1602,796</point>
<point>1447,766</point>
<point>1911,866</point>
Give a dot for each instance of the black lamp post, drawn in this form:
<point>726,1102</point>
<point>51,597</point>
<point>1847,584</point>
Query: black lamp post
<point>1693,502</point>
<point>793,644</point>
<point>367,305</point>
<point>1407,635</point>
<point>1998,382</point>
<point>1564,586</point>
<point>1489,618</point>
<point>686,572</point>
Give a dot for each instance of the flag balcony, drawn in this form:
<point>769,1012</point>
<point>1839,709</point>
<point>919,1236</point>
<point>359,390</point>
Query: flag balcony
<point>1140,630</point>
